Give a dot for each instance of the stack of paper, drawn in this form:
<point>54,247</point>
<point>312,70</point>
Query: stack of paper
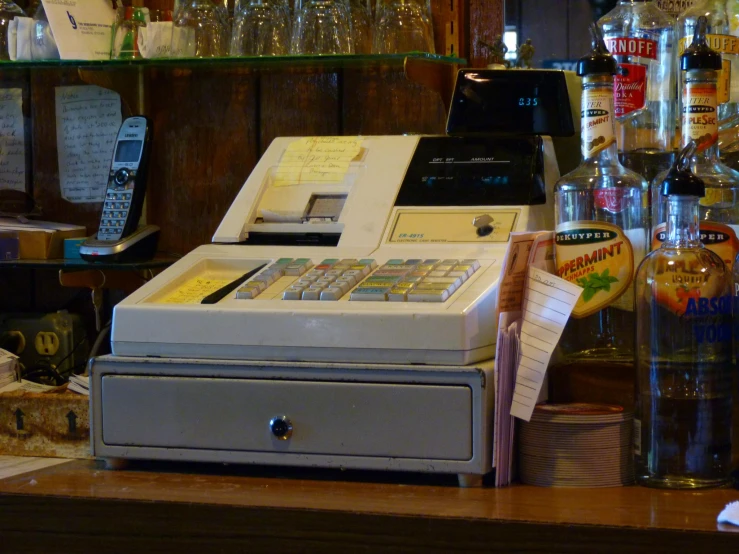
<point>534,306</point>
<point>79,384</point>
<point>26,386</point>
<point>8,368</point>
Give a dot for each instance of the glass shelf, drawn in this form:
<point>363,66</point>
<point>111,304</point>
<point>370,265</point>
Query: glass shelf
<point>159,261</point>
<point>338,61</point>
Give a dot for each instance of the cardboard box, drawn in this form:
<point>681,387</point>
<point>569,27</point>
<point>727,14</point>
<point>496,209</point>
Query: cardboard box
<point>41,240</point>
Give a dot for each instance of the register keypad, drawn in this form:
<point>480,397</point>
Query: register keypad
<point>398,280</point>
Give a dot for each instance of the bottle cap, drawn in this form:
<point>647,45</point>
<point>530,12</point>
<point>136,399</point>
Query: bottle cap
<point>599,60</point>
<point>680,180</point>
<point>699,55</point>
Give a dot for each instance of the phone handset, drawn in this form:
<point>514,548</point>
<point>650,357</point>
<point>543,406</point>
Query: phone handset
<point>124,195</point>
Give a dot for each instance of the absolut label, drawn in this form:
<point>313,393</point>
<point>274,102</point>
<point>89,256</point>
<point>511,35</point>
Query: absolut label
<point>630,85</point>
<point>597,123</point>
<point>597,256</point>
<point>700,116</point>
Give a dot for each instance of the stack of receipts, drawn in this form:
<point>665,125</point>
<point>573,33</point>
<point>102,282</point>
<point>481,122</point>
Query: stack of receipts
<point>8,368</point>
<point>79,384</point>
<point>534,306</point>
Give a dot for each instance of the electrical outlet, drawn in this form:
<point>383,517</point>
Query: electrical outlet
<point>21,341</point>
<point>47,343</point>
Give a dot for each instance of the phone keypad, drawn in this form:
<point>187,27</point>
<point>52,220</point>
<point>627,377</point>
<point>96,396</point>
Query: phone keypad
<point>115,211</point>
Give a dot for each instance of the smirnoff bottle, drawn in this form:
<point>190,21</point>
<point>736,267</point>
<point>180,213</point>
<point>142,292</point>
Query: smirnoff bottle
<point>722,36</point>
<point>641,37</point>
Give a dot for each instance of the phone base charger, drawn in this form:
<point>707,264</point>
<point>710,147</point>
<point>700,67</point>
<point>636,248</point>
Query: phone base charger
<point>139,246</point>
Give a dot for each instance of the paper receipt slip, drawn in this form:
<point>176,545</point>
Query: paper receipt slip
<point>317,160</point>
<point>194,290</point>
<point>548,302</point>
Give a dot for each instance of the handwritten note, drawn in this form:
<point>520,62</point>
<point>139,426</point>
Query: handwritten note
<point>317,160</point>
<point>12,140</point>
<point>87,123</point>
<point>194,290</point>
<point>548,302</point>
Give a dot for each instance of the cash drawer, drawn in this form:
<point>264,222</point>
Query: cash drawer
<point>421,421</point>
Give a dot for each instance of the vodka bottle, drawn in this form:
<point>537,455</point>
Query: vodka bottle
<point>719,208</point>
<point>684,349</point>
<point>600,232</point>
<point>641,37</point>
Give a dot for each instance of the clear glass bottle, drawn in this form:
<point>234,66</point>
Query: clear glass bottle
<point>641,37</point>
<point>719,208</point>
<point>684,349</point>
<point>722,36</point>
<point>675,7</point>
<point>600,228</point>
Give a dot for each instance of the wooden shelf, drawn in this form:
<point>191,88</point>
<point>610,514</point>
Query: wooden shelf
<point>80,506</point>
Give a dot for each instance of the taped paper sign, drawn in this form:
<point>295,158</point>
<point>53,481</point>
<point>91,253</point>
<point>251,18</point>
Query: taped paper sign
<point>12,140</point>
<point>87,123</point>
<point>317,160</point>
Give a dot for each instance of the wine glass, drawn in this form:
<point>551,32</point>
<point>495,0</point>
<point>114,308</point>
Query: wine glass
<point>9,10</point>
<point>403,26</point>
<point>200,30</point>
<point>261,28</point>
<point>322,27</point>
<point>360,13</point>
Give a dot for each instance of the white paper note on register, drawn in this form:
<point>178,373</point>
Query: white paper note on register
<point>548,302</point>
<point>12,140</point>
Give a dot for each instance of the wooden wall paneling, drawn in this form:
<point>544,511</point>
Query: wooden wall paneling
<point>45,165</point>
<point>298,103</point>
<point>486,21</point>
<point>449,28</point>
<point>580,15</point>
<point>204,147</point>
<point>546,24</point>
<point>380,102</point>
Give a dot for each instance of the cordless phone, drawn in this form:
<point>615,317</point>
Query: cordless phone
<point>127,181</point>
<point>119,237</point>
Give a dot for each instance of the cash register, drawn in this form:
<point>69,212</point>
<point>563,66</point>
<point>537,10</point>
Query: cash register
<point>344,314</point>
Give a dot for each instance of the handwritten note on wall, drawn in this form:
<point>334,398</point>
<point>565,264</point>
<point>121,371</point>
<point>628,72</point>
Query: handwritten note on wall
<point>87,122</point>
<point>317,160</point>
<point>12,140</point>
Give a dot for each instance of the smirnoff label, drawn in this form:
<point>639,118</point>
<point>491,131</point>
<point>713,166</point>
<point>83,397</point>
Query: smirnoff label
<point>700,116</point>
<point>599,257</point>
<point>630,85</point>
<point>597,123</point>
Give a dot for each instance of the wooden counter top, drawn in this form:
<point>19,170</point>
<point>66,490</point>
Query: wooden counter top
<point>79,507</point>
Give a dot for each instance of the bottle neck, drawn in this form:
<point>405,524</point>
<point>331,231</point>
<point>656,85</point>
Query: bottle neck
<point>682,225</point>
<point>598,126</point>
<point>700,114</point>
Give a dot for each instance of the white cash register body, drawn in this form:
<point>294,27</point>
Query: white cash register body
<point>367,350</point>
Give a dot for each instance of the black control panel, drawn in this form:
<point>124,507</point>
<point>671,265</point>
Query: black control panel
<point>475,171</point>
<point>525,102</point>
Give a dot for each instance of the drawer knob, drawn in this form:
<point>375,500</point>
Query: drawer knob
<point>281,427</point>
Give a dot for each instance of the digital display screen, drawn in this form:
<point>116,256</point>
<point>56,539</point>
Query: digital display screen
<point>128,151</point>
<point>474,171</point>
<point>506,101</point>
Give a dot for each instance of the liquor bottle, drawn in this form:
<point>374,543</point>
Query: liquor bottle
<point>641,37</point>
<point>722,31</point>
<point>600,231</point>
<point>719,208</point>
<point>675,7</point>
<point>684,349</point>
